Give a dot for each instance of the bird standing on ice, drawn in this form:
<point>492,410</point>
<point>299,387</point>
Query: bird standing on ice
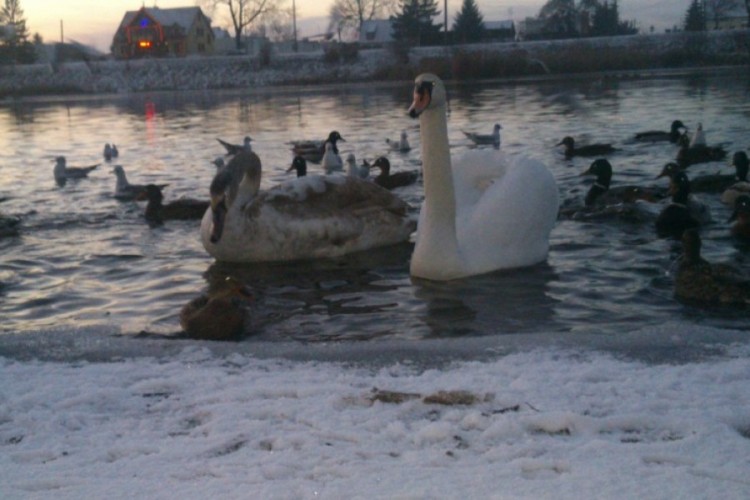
<point>492,211</point>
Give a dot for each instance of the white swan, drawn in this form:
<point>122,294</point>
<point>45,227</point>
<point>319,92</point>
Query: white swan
<point>492,211</point>
<point>305,218</point>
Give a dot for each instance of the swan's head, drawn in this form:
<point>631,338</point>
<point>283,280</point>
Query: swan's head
<point>429,91</point>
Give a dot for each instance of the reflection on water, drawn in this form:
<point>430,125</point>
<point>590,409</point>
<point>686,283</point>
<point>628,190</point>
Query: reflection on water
<point>85,259</point>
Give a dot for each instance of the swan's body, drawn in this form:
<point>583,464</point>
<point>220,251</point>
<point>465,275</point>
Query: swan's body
<point>306,218</point>
<point>492,211</point>
<point>480,139</point>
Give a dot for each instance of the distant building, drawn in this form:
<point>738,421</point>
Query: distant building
<point>737,18</point>
<point>155,32</point>
<point>376,32</point>
<point>499,30</point>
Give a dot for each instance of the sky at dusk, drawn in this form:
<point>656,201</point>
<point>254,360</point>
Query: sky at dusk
<point>94,22</point>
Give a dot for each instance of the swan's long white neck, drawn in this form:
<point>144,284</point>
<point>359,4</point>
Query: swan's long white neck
<point>436,234</point>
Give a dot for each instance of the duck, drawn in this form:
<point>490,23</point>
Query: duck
<point>331,161</point>
<point>481,139</point>
<point>392,181</point>
<point>361,171</point>
<point>742,186</point>
<point>604,202</point>
<point>9,225</point>
<point>305,218</point>
<point>182,209</point>
<point>700,153</point>
<point>107,152</point>
<point>124,190</point>
<point>218,315</point>
<point>676,217</point>
<point>675,131</point>
<point>484,210</point>
<point>588,150</point>
<point>299,165</point>
<point>63,172</point>
<point>601,193</point>
<point>313,151</point>
<point>741,218</point>
<point>699,282</point>
<point>402,145</point>
<point>711,183</point>
<point>233,149</point>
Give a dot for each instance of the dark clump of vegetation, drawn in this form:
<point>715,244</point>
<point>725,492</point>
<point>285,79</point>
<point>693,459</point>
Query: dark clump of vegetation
<point>341,53</point>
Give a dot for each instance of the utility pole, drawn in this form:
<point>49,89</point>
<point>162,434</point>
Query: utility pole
<point>294,25</point>
<point>61,31</point>
<point>445,26</point>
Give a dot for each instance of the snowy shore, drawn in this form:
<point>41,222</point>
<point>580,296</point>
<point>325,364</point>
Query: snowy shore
<point>244,72</point>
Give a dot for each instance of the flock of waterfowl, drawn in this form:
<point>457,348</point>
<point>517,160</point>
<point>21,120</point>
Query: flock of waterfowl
<point>483,210</point>
<point>696,280</point>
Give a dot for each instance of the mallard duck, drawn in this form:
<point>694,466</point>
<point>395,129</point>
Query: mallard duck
<point>741,218</point>
<point>313,151</point>
<point>699,282</point>
<point>481,139</point>
<point>233,149</point>
<point>305,218</point>
<point>299,165</point>
<point>124,190</point>
<point>401,145</point>
<point>62,172</point>
<point>676,217</point>
<point>362,171</point>
<point>588,150</point>
<point>742,186</point>
<point>218,315</point>
<point>601,193</point>
<point>676,130</point>
<point>391,181</point>
<point>484,210</point>
<point>700,153</point>
<point>711,183</point>
<point>182,209</point>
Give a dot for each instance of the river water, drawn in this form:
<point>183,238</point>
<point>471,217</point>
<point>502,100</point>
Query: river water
<point>84,260</point>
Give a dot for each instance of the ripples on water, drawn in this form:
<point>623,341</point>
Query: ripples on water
<point>85,259</point>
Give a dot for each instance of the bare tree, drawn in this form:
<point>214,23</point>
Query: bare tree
<point>352,13</point>
<point>242,13</point>
<point>716,9</point>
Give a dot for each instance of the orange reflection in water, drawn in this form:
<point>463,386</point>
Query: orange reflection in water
<point>150,109</point>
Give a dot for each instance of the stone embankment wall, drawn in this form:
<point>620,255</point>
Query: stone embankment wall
<point>203,73</point>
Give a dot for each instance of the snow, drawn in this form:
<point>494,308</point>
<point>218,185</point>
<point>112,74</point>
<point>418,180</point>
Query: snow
<point>217,420</point>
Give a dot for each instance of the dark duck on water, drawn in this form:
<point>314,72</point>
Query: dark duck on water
<point>588,150</point>
<point>673,135</point>
<point>676,217</point>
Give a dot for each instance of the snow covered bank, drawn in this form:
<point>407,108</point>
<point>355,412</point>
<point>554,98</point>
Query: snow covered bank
<point>539,423</point>
<point>242,72</point>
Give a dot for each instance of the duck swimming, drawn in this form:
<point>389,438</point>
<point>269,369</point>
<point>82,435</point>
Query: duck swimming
<point>742,186</point>
<point>700,282</point>
<point>233,149</point>
<point>712,183</point>
<point>480,139</point>
<point>182,209</point>
<point>588,150</point>
<point>305,218</point>
<point>62,172</point>
<point>482,211</point>
<point>741,218</point>
<point>313,151</point>
<point>124,190</point>
<point>675,131</point>
<point>401,145</point>
<point>700,153</point>
<point>391,181</point>
<point>676,217</point>
<point>219,315</point>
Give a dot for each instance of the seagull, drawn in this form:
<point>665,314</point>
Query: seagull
<point>361,171</point>
<point>63,172</point>
<point>401,145</point>
<point>233,149</point>
<point>493,138</point>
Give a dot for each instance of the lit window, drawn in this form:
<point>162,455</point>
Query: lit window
<point>144,44</point>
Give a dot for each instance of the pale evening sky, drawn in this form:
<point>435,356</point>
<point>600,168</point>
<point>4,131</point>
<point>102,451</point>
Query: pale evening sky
<point>94,22</point>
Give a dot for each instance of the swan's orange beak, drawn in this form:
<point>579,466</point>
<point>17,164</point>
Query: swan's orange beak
<point>422,96</point>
